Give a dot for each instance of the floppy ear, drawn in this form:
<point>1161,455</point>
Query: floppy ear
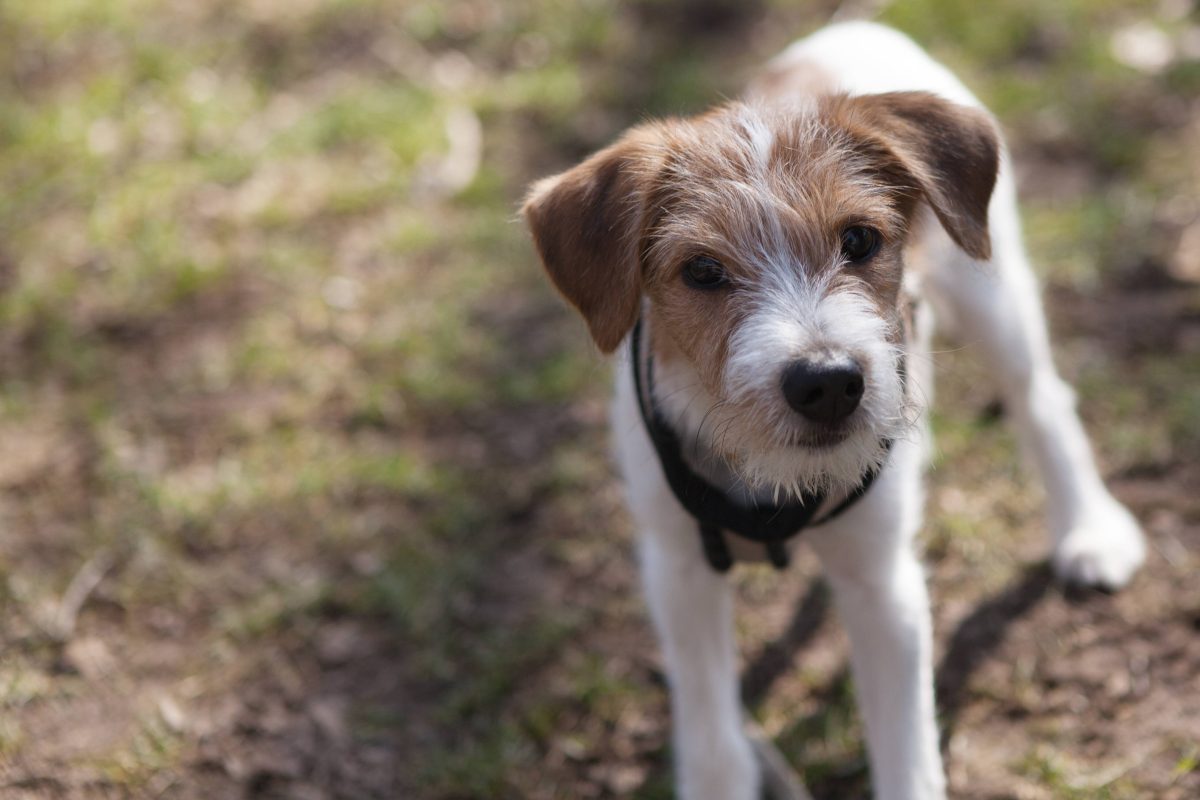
<point>952,151</point>
<point>587,224</point>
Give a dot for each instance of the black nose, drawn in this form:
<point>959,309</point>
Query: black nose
<point>825,393</point>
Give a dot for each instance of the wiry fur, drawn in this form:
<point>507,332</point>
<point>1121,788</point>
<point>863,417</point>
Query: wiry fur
<point>751,426</point>
<point>766,187</point>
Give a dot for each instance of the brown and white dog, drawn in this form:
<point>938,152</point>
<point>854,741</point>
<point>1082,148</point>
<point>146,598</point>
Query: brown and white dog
<point>763,248</point>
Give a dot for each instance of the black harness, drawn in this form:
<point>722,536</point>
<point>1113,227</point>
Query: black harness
<point>770,525</point>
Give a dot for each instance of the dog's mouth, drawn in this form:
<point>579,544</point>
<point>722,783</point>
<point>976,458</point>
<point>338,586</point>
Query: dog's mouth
<point>820,439</point>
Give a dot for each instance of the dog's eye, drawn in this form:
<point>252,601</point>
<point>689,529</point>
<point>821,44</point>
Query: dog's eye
<point>704,272</point>
<point>859,243</point>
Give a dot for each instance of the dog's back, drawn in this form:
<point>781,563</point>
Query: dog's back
<point>862,58</point>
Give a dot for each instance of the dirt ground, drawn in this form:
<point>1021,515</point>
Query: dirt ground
<point>307,491</point>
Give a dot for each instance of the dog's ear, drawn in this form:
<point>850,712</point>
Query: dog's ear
<point>587,224</point>
<point>952,151</point>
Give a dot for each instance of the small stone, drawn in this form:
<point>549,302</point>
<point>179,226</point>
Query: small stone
<point>172,715</point>
<point>1143,46</point>
<point>623,779</point>
<point>329,715</point>
<point>90,657</point>
<point>339,643</point>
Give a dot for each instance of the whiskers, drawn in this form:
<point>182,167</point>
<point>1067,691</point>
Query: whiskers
<point>714,407</point>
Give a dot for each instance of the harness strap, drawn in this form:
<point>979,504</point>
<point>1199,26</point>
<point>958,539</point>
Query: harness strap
<point>716,549</point>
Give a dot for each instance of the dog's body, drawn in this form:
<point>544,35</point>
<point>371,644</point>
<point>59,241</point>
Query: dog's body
<point>738,239</point>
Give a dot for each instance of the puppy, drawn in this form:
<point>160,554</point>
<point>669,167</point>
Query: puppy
<point>769,271</point>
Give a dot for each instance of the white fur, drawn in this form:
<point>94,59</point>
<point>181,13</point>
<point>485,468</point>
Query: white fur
<point>761,138</point>
<point>867,552</point>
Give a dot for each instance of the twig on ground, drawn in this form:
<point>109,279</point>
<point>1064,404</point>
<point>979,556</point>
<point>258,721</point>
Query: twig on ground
<point>62,626</point>
<point>780,781</point>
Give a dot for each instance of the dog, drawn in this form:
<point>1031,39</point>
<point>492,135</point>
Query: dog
<point>770,271</point>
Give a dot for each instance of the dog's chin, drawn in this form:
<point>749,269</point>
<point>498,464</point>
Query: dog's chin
<point>824,439</point>
<point>829,462</point>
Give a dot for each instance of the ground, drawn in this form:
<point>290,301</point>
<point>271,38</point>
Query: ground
<point>306,490</point>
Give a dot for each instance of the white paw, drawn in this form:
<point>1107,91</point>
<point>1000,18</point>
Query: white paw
<point>1102,550</point>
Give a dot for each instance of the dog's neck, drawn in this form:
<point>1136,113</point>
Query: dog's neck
<point>676,395</point>
<point>716,509</point>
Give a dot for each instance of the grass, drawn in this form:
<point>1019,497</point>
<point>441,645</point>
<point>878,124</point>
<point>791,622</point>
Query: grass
<point>259,350</point>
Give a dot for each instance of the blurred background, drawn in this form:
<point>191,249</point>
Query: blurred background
<point>305,489</point>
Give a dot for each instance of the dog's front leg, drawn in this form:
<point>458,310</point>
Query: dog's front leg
<point>1095,540</point>
<point>692,609</point>
<point>879,589</point>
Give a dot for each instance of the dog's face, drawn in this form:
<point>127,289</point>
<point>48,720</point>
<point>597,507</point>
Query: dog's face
<point>765,249</point>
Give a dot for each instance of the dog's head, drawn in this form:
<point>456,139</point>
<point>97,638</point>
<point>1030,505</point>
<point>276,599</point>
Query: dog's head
<point>765,248</point>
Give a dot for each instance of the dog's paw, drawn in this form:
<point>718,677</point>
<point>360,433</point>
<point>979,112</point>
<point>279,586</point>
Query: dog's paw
<point>1102,550</point>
